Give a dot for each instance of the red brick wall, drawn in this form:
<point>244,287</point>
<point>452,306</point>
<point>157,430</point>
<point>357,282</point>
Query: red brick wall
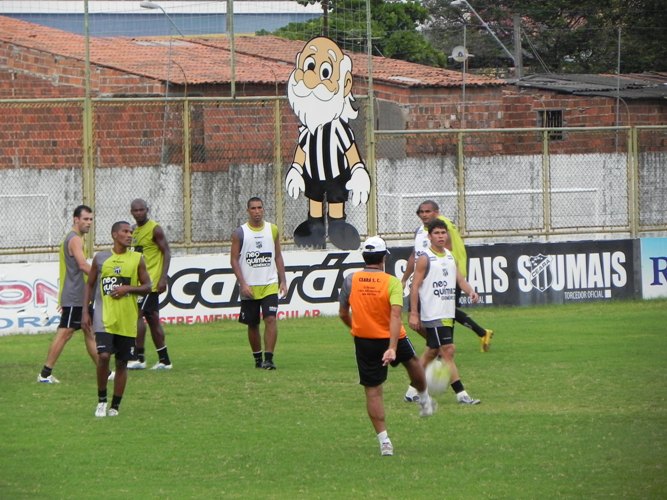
<point>26,73</point>
<point>223,135</point>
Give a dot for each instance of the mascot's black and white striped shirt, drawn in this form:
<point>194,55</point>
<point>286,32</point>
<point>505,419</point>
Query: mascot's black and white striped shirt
<point>325,150</point>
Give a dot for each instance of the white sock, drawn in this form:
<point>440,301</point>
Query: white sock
<point>423,396</point>
<point>383,436</point>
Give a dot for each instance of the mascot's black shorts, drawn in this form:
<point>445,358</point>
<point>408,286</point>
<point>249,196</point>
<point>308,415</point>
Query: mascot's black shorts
<point>334,189</point>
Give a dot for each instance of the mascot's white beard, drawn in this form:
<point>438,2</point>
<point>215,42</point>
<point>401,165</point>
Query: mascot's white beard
<point>318,106</point>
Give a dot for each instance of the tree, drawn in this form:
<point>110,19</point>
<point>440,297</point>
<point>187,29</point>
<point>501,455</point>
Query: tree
<point>575,36</point>
<point>394,29</point>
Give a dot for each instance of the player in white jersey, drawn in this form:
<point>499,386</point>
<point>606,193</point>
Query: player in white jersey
<point>433,303</point>
<point>427,211</point>
<point>257,262</point>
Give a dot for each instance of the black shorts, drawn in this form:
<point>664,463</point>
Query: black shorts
<point>250,309</point>
<point>369,358</point>
<point>71,317</point>
<point>149,304</point>
<point>335,189</point>
<point>437,336</point>
<point>120,345</point>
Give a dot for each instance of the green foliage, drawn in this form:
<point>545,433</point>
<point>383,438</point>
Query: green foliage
<point>394,29</point>
<point>557,35</point>
<point>576,36</point>
<point>574,405</point>
<point>411,46</point>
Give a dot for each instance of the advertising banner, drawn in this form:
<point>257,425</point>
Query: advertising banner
<point>202,288</point>
<point>28,298</point>
<point>546,273</point>
<point>654,267</point>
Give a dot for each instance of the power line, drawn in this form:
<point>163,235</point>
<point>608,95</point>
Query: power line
<point>533,49</point>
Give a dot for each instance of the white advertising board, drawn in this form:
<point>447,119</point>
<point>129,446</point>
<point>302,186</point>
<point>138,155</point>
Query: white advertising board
<point>202,289</point>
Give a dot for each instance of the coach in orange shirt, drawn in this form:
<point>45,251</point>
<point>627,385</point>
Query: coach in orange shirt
<point>375,299</point>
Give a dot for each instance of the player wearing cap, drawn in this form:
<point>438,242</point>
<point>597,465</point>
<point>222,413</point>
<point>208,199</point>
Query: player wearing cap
<point>370,305</point>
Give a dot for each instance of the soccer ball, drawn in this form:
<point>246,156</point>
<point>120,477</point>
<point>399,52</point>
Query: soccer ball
<point>437,377</point>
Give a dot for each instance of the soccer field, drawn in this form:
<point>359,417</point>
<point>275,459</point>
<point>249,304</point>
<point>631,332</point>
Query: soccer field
<point>574,405</point>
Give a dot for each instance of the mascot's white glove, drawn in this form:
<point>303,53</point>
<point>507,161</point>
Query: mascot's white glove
<point>359,184</point>
<point>294,181</point>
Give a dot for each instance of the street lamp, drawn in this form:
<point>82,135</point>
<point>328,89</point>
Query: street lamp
<point>464,3</point>
<point>147,4</point>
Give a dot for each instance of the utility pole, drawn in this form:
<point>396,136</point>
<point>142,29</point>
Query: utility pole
<point>518,57</point>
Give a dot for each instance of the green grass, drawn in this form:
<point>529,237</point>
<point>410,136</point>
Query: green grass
<point>573,406</point>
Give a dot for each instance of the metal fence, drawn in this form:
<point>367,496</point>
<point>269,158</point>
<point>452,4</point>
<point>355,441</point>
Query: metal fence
<point>197,160</point>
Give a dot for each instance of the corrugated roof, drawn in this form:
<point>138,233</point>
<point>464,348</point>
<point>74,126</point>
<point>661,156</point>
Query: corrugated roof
<point>206,60</point>
<point>629,86</point>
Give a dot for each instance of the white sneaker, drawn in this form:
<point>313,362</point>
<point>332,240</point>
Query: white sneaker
<point>411,395</point>
<point>112,376</point>
<point>428,407</point>
<point>136,365</point>
<point>464,399</point>
<point>47,380</point>
<point>112,412</point>
<point>386,448</point>
<point>101,410</point>
<point>161,366</point>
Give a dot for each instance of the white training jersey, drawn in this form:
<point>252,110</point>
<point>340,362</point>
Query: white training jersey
<point>258,262</point>
<point>421,241</point>
<point>437,293</point>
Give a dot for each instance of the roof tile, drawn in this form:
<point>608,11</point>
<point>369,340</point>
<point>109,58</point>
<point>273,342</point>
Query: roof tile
<point>207,60</point>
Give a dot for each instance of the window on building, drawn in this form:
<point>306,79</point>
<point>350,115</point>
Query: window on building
<point>551,118</point>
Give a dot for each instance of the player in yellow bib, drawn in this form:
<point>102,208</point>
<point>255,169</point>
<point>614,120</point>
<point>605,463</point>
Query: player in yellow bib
<point>115,279</point>
<point>149,239</point>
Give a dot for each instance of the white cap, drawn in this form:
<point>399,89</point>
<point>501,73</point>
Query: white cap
<point>374,244</point>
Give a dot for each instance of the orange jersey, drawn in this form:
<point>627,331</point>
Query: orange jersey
<point>371,295</point>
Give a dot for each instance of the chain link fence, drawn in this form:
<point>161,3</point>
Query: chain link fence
<point>198,160</point>
<point>651,173</point>
<point>532,182</point>
<point>41,156</point>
